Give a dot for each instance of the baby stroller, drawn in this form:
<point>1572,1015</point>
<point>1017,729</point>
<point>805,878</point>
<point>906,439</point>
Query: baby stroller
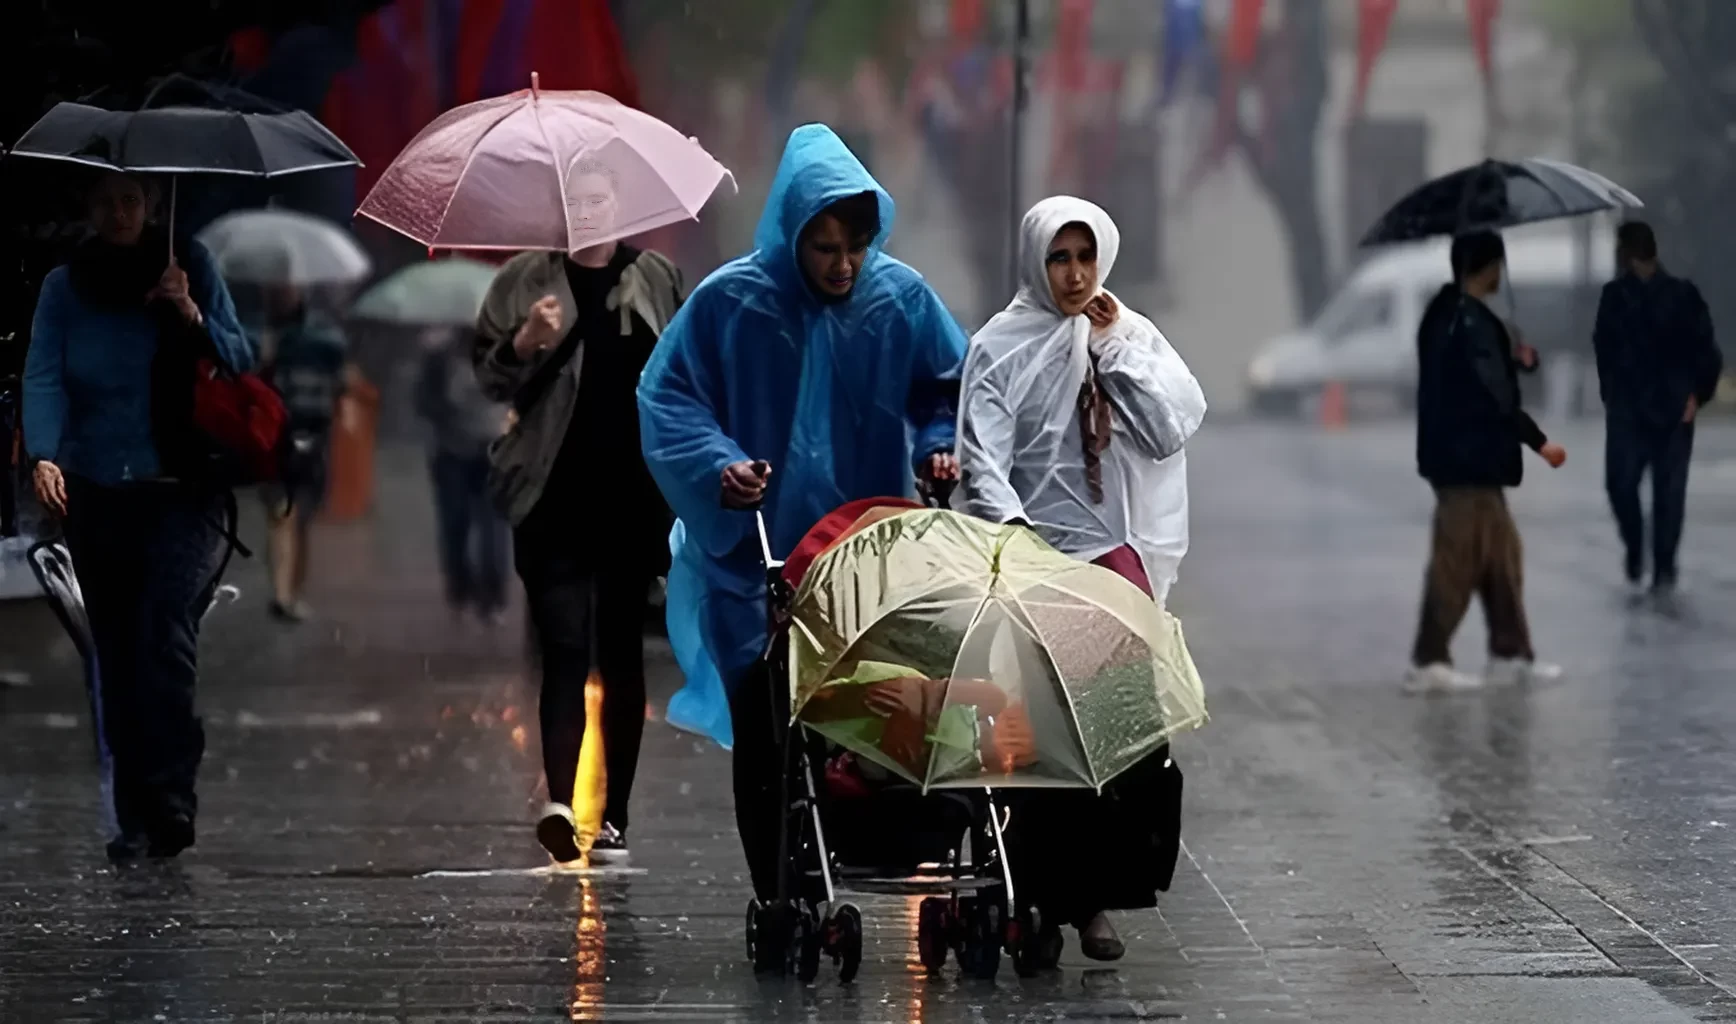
<point>932,661</point>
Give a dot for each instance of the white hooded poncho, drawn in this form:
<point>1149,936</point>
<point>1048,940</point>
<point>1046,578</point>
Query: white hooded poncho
<point>1020,449</point>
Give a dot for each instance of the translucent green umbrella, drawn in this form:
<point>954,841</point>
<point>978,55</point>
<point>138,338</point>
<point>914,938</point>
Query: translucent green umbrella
<point>955,652</point>
<point>438,293</point>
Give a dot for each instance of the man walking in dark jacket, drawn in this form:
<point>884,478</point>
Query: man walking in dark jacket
<point>1469,432</point>
<point>1657,364</point>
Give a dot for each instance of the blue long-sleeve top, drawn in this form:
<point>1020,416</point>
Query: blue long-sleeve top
<point>87,376</point>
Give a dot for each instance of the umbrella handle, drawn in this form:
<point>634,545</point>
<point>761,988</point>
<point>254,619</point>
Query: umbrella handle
<point>174,188</point>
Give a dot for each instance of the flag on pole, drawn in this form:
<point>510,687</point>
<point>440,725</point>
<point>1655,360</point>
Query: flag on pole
<point>1184,31</point>
<point>1481,15</point>
<point>1374,18</point>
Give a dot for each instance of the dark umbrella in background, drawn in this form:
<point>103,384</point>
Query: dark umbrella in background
<point>187,126</point>
<point>1498,194</point>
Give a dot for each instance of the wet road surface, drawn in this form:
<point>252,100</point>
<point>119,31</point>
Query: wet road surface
<point>1555,853</point>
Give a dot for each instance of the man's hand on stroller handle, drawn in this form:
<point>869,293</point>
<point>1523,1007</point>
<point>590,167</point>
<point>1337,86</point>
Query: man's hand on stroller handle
<point>744,484</point>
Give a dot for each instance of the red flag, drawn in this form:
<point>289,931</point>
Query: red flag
<point>575,44</point>
<point>478,20</point>
<point>389,93</point>
<point>967,21</point>
<point>1244,33</point>
<point>1374,17</point>
<point>1067,70</point>
<point>1241,46</point>
<point>1482,14</point>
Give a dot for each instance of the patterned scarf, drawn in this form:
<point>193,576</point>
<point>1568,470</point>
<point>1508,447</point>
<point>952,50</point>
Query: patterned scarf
<point>1094,428</point>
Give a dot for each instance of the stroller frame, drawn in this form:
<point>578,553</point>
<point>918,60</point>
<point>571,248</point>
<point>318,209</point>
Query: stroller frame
<point>970,907</point>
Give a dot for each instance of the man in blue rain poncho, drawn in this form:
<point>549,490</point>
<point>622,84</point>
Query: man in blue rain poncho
<point>814,371</point>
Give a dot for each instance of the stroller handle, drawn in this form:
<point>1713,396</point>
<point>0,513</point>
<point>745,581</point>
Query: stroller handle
<point>937,493</point>
<point>759,520</point>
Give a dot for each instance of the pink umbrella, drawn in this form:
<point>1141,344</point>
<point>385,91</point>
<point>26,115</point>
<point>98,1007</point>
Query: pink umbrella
<point>542,170</point>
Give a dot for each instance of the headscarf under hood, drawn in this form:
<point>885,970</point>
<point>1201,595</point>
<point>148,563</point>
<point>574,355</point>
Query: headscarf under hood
<point>839,397</point>
<point>1032,382</point>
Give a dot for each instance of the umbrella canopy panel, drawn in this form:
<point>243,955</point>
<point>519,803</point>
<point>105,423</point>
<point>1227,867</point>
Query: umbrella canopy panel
<point>1498,194</point>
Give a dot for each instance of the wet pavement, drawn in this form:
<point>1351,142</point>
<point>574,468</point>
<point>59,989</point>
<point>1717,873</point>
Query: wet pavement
<point>1557,853</point>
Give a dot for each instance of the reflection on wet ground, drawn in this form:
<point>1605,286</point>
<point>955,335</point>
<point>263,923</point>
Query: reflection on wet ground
<point>1558,853</point>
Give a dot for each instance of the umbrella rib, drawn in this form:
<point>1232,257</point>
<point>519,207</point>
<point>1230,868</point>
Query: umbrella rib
<point>1061,682</point>
<point>934,748</point>
<point>560,172</point>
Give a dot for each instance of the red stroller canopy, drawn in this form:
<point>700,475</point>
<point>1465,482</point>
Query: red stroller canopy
<point>832,529</point>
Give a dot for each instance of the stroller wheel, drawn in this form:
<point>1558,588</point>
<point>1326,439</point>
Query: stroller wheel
<point>1035,946</point>
<point>769,929</point>
<point>805,942</point>
<point>931,937</point>
<point>980,955</point>
<point>844,941</point>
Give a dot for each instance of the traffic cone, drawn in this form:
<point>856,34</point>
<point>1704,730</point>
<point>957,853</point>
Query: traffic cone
<point>1334,405</point>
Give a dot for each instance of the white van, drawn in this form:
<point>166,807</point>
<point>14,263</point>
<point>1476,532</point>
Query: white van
<point>1365,336</point>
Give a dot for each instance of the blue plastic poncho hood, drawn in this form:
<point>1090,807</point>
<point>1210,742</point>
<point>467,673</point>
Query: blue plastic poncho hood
<point>841,398</point>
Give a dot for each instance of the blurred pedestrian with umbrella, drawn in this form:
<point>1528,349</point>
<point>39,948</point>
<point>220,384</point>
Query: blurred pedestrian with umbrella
<point>1658,363</point>
<point>305,355</point>
<point>110,423</point>
<point>563,335</point>
<point>1470,423</point>
<point>440,300</point>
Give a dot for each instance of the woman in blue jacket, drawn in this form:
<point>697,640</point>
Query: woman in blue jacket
<point>143,532</point>
<point>812,372</point>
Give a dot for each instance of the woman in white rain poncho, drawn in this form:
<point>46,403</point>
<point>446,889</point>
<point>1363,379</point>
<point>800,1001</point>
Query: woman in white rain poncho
<point>1074,409</point>
<point>1073,416</point>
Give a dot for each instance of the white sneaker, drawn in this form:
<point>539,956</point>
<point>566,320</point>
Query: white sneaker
<point>1514,671</point>
<point>1439,677</point>
<point>558,833</point>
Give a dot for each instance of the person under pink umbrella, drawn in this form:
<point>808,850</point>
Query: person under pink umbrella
<point>567,176</point>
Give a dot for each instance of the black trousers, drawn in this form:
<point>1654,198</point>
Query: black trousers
<point>145,555</point>
<point>1075,853</point>
<point>757,711</point>
<point>1629,451</point>
<point>587,598</point>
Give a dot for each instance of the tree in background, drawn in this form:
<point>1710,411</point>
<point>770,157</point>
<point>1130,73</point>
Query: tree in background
<point>1662,74</point>
<point>1684,126</point>
<point>1287,72</point>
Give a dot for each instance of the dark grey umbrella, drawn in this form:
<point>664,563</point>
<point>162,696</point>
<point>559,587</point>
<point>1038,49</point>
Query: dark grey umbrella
<point>187,127</point>
<point>1498,194</point>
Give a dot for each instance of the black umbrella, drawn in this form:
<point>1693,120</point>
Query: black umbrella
<point>1498,194</point>
<point>187,127</point>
